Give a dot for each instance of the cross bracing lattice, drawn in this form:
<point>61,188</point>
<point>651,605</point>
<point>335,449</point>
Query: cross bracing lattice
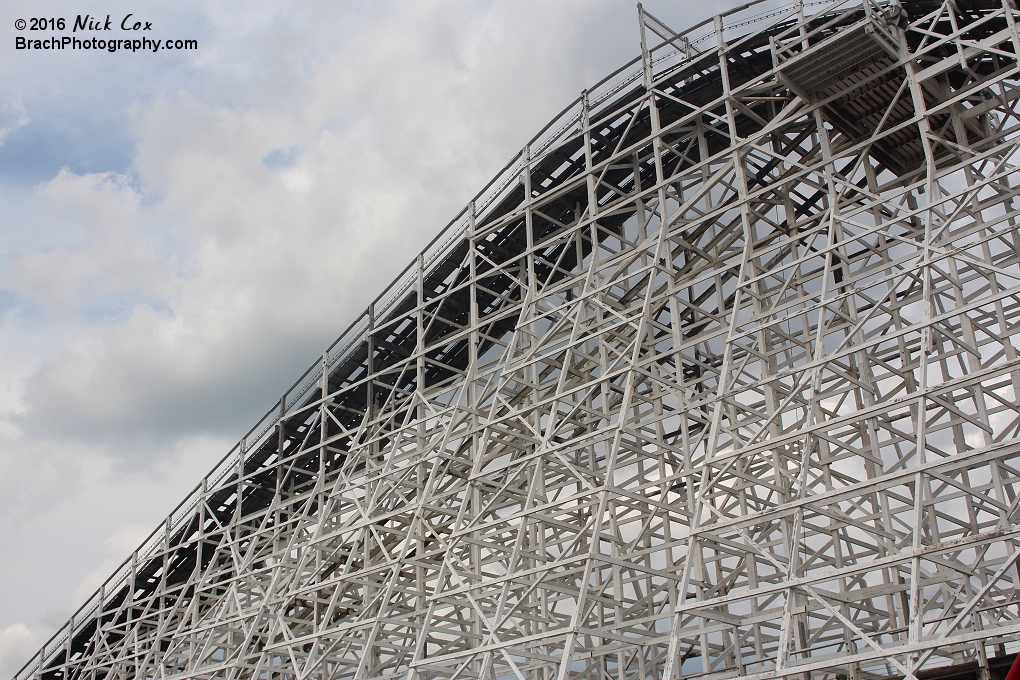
<point>716,379</point>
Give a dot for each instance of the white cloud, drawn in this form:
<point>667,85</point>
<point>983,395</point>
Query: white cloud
<point>12,116</point>
<point>113,257</point>
<point>17,644</point>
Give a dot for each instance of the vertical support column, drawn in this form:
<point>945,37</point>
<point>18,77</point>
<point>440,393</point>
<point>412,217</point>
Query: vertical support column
<point>196,597</point>
<point>242,449</point>
<point>67,643</point>
<point>653,113</point>
<point>370,365</point>
<point>281,442</point>
<point>920,435</point>
<point>583,580</point>
<point>419,320</point>
<point>472,301</point>
<point>529,224</point>
<point>593,206</point>
<point>320,482</point>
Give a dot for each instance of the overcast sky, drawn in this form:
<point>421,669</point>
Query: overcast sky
<point>183,233</point>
